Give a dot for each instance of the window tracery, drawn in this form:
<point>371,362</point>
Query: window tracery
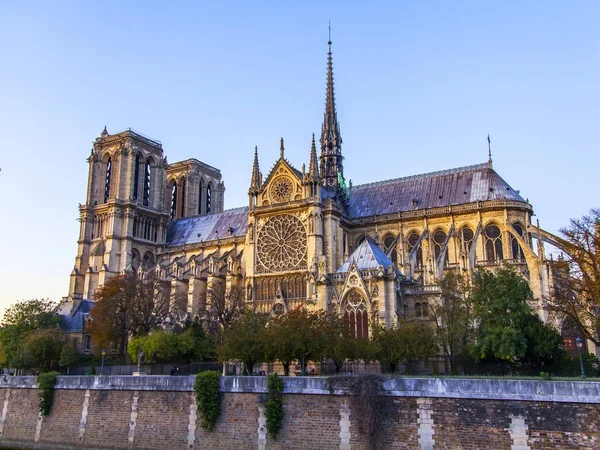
<point>282,244</point>
<point>281,190</point>
<point>292,287</point>
<point>517,251</point>
<point>356,314</point>
<point>136,177</point>
<point>388,243</point>
<point>493,243</point>
<point>439,238</point>
<point>413,240</point>
<point>467,237</point>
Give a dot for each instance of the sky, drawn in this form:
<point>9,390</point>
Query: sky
<point>419,85</point>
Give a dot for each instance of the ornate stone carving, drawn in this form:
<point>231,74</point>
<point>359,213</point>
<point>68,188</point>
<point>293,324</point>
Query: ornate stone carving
<point>282,244</point>
<point>281,189</point>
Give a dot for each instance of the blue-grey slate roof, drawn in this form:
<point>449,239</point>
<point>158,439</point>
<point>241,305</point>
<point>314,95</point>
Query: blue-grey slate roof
<point>447,187</point>
<point>367,256</point>
<point>73,320</point>
<point>192,230</point>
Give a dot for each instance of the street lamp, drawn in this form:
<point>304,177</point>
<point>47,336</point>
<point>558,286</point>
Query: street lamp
<point>102,365</point>
<point>580,347</point>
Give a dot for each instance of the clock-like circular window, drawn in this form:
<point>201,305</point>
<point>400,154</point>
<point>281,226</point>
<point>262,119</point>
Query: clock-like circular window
<point>281,190</point>
<point>282,244</point>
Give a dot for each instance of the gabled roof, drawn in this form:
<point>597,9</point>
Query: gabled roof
<point>447,187</point>
<point>192,230</point>
<point>74,320</point>
<point>367,256</point>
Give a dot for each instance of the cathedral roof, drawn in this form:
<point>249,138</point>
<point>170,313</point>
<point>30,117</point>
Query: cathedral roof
<point>367,256</point>
<point>73,315</point>
<point>192,230</point>
<point>431,190</point>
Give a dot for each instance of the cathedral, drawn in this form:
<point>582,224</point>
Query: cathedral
<point>372,252</point>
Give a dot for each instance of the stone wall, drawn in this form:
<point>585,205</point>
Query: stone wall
<point>156,412</point>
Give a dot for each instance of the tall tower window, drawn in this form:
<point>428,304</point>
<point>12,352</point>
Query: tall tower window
<point>200,198</point>
<point>173,200</point>
<point>517,251</point>
<point>467,236</point>
<point>147,170</point>
<point>107,179</point>
<point>136,177</point>
<point>208,199</point>
<point>182,206</point>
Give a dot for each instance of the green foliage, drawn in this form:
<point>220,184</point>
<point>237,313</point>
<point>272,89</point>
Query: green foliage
<point>405,341</point>
<point>46,382</point>
<point>245,340</point>
<point>44,348</point>
<point>274,406</point>
<point>93,371</point>
<point>68,355</point>
<point>208,396</point>
<point>508,330</point>
<point>545,376</point>
<point>20,321</point>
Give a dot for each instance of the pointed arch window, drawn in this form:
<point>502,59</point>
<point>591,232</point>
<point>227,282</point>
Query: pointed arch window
<point>200,198</point>
<point>356,315</point>
<point>493,243</point>
<point>467,236</point>
<point>413,240</point>
<point>107,179</point>
<point>439,238</point>
<point>147,172</point>
<point>421,310</point>
<point>208,199</point>
<point>390,248</point>
<point>173,200</point>
<point>517,251</point>
<point>182,206</point>
<point>136,176</point>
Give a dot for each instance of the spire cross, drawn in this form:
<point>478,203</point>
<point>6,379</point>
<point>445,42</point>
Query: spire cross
<point>489,151</point>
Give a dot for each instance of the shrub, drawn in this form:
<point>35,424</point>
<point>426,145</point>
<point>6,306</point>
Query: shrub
<point>208,397</point>
<point>46,382</point>
<point>274,406</point>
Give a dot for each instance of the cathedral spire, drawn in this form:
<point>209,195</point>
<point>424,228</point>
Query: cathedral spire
<point>255,181</point>
<point>489,152</point>
<point>331,139</point>
<point>313,168</point>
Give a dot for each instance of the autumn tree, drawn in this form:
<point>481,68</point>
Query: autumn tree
<point>577,275</point>
<point>453,317</point>
<point>131,305</point>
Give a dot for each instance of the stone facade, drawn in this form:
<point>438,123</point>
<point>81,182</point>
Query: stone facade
<point>160,413</point>
<point>373,252</point>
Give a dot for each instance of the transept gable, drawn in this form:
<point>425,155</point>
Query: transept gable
<point>283,184</point>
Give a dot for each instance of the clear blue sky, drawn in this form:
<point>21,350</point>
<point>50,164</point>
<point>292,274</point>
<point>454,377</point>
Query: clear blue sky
<point>419,85</point>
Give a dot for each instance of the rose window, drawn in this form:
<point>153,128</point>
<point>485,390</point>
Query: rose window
<point>281,190</point>
<point>282,244</point>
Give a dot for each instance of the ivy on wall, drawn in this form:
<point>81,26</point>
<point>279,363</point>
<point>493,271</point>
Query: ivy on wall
<point>274,406</point>
<point>208,397</point>
<point>46,382</point>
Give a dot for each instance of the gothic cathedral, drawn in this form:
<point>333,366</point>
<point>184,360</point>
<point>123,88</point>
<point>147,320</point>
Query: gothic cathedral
<point>373,252</point>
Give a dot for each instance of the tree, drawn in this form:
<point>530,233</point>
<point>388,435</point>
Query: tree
<point>127,304</point>
<point>453,319</point>
<point>245,340</point>
<point>20,321</point>
<point>338,342</point>
<point>577,275</point>
<point>68,355</point>
<point>223,308</point>
<point>44,347</point>
<point>402,342</point>
<point>508,329</point>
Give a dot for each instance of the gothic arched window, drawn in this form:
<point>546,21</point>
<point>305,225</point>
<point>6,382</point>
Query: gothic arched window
<point>388,243</point>
<point>182,206</point>
<point>147,170</point>
<point>356,315</point>
<point>467,237</point>
<point>517,251</point>
<point>493,243</point>
<point>421,310</point>
<point>136,177</point>
<point>173,200</point>
<point>200,198</point>
<point>107,179</point>
<point>439,238</point>
<point>413,240</point>
<point>208,199</point>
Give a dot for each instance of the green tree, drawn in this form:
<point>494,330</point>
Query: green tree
<point>44,347</point>
<point>338,342</point>
<point>20,321</point>
<point>453,317</point>
<point>68,355</point>
<point>245,340</point>
<point>508,329</point>
<point>403,342</point>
